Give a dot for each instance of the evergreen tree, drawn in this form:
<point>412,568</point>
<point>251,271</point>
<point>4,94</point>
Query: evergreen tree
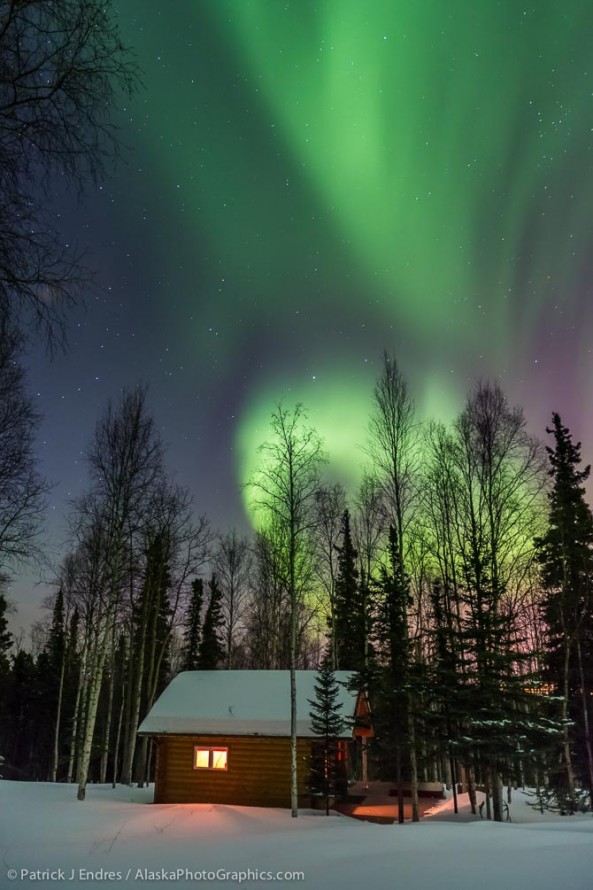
<point>5,635</point>
<point>5,644</point>
<point>211,646</point>
<point>493,506</point>
<point>566,556</point>
<point>51,666</point>
<point>327,778</point>
<point>56,644</point>
<point>349,630</point>
<point>193,626</point>
<point>156,666</point>
<point>148,649</point>
<point>22,702</point>
<point>493,697</point>
<point>71,683</point>
<point>486,709</point>
<point>445,716</point>
<point>388,682</point>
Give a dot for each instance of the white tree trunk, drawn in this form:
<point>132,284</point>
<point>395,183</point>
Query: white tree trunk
<point>77,711</point>
<point>56,746</point>
<point>91,716</point>
<point>294,804</point>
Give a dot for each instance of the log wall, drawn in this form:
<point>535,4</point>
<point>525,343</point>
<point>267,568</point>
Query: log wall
<point>257,774</point>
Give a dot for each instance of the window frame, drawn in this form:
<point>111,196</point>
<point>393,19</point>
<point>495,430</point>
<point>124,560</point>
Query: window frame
<point>212,750</point>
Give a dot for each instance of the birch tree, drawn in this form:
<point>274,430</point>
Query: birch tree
<point>369,523</point>
<point>393,448</point>
<point>22,490</point>
<point>232,565</point>
<point>268,612</point>
<point>174,548</point>
<point>126,463</point>
<point>61,71</point>
<point>499,477</point>
<point>330,505</point>
<point>285,490</point>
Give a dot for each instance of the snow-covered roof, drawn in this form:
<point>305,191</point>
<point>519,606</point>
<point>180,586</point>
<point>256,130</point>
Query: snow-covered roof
<point>239,703</point>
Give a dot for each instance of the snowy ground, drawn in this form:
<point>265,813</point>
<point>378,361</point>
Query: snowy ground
<point>118,838</point>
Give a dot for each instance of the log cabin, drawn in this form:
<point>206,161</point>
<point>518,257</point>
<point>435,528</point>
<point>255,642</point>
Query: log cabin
<point>224,736</point>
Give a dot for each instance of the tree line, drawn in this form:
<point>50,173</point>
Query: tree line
<point>454,583</point>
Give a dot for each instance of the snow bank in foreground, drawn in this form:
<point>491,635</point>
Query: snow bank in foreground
<point>119,839</point>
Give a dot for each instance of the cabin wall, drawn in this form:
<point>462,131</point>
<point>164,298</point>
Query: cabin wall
<point>258,771</point>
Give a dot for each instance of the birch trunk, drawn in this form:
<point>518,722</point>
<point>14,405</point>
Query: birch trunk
<point>152,674</point>
<point>293,740</point>
<point>108,721</point>
<point>56,745</point>
<point>586,721</point>
<point>413,767</point>
<point>570,780</point>
<point>78,704</point>
<point>118,739</point>
<point>91,715</point>
<point>293,657</point>
<point>136,694</point>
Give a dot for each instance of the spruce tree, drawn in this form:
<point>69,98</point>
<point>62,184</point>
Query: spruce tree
<point>21,744</point>
<point>445,716</point>
<point>5,644</point>
<point>193,626</point>
<point>6,641</point>
<point>566,557</point>
<point>327,778</point>
<point>211,647</point>
<point>54,679</point>
<point>349,631</point>
<point>389,687</point>
<point>489,506</point>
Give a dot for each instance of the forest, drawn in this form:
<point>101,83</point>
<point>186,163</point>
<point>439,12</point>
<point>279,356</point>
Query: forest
<point>454,582</point>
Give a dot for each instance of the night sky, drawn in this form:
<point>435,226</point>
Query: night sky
<point>307,183</point>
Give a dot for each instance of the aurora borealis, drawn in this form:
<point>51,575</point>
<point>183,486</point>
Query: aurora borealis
<point>307,184</point>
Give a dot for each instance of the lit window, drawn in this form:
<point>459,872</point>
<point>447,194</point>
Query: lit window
<point>210,758</point>
<point>202,758</point>
<point>219,759</point>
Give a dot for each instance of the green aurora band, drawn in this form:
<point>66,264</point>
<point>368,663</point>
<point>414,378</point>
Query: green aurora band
<point>413,168</point>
